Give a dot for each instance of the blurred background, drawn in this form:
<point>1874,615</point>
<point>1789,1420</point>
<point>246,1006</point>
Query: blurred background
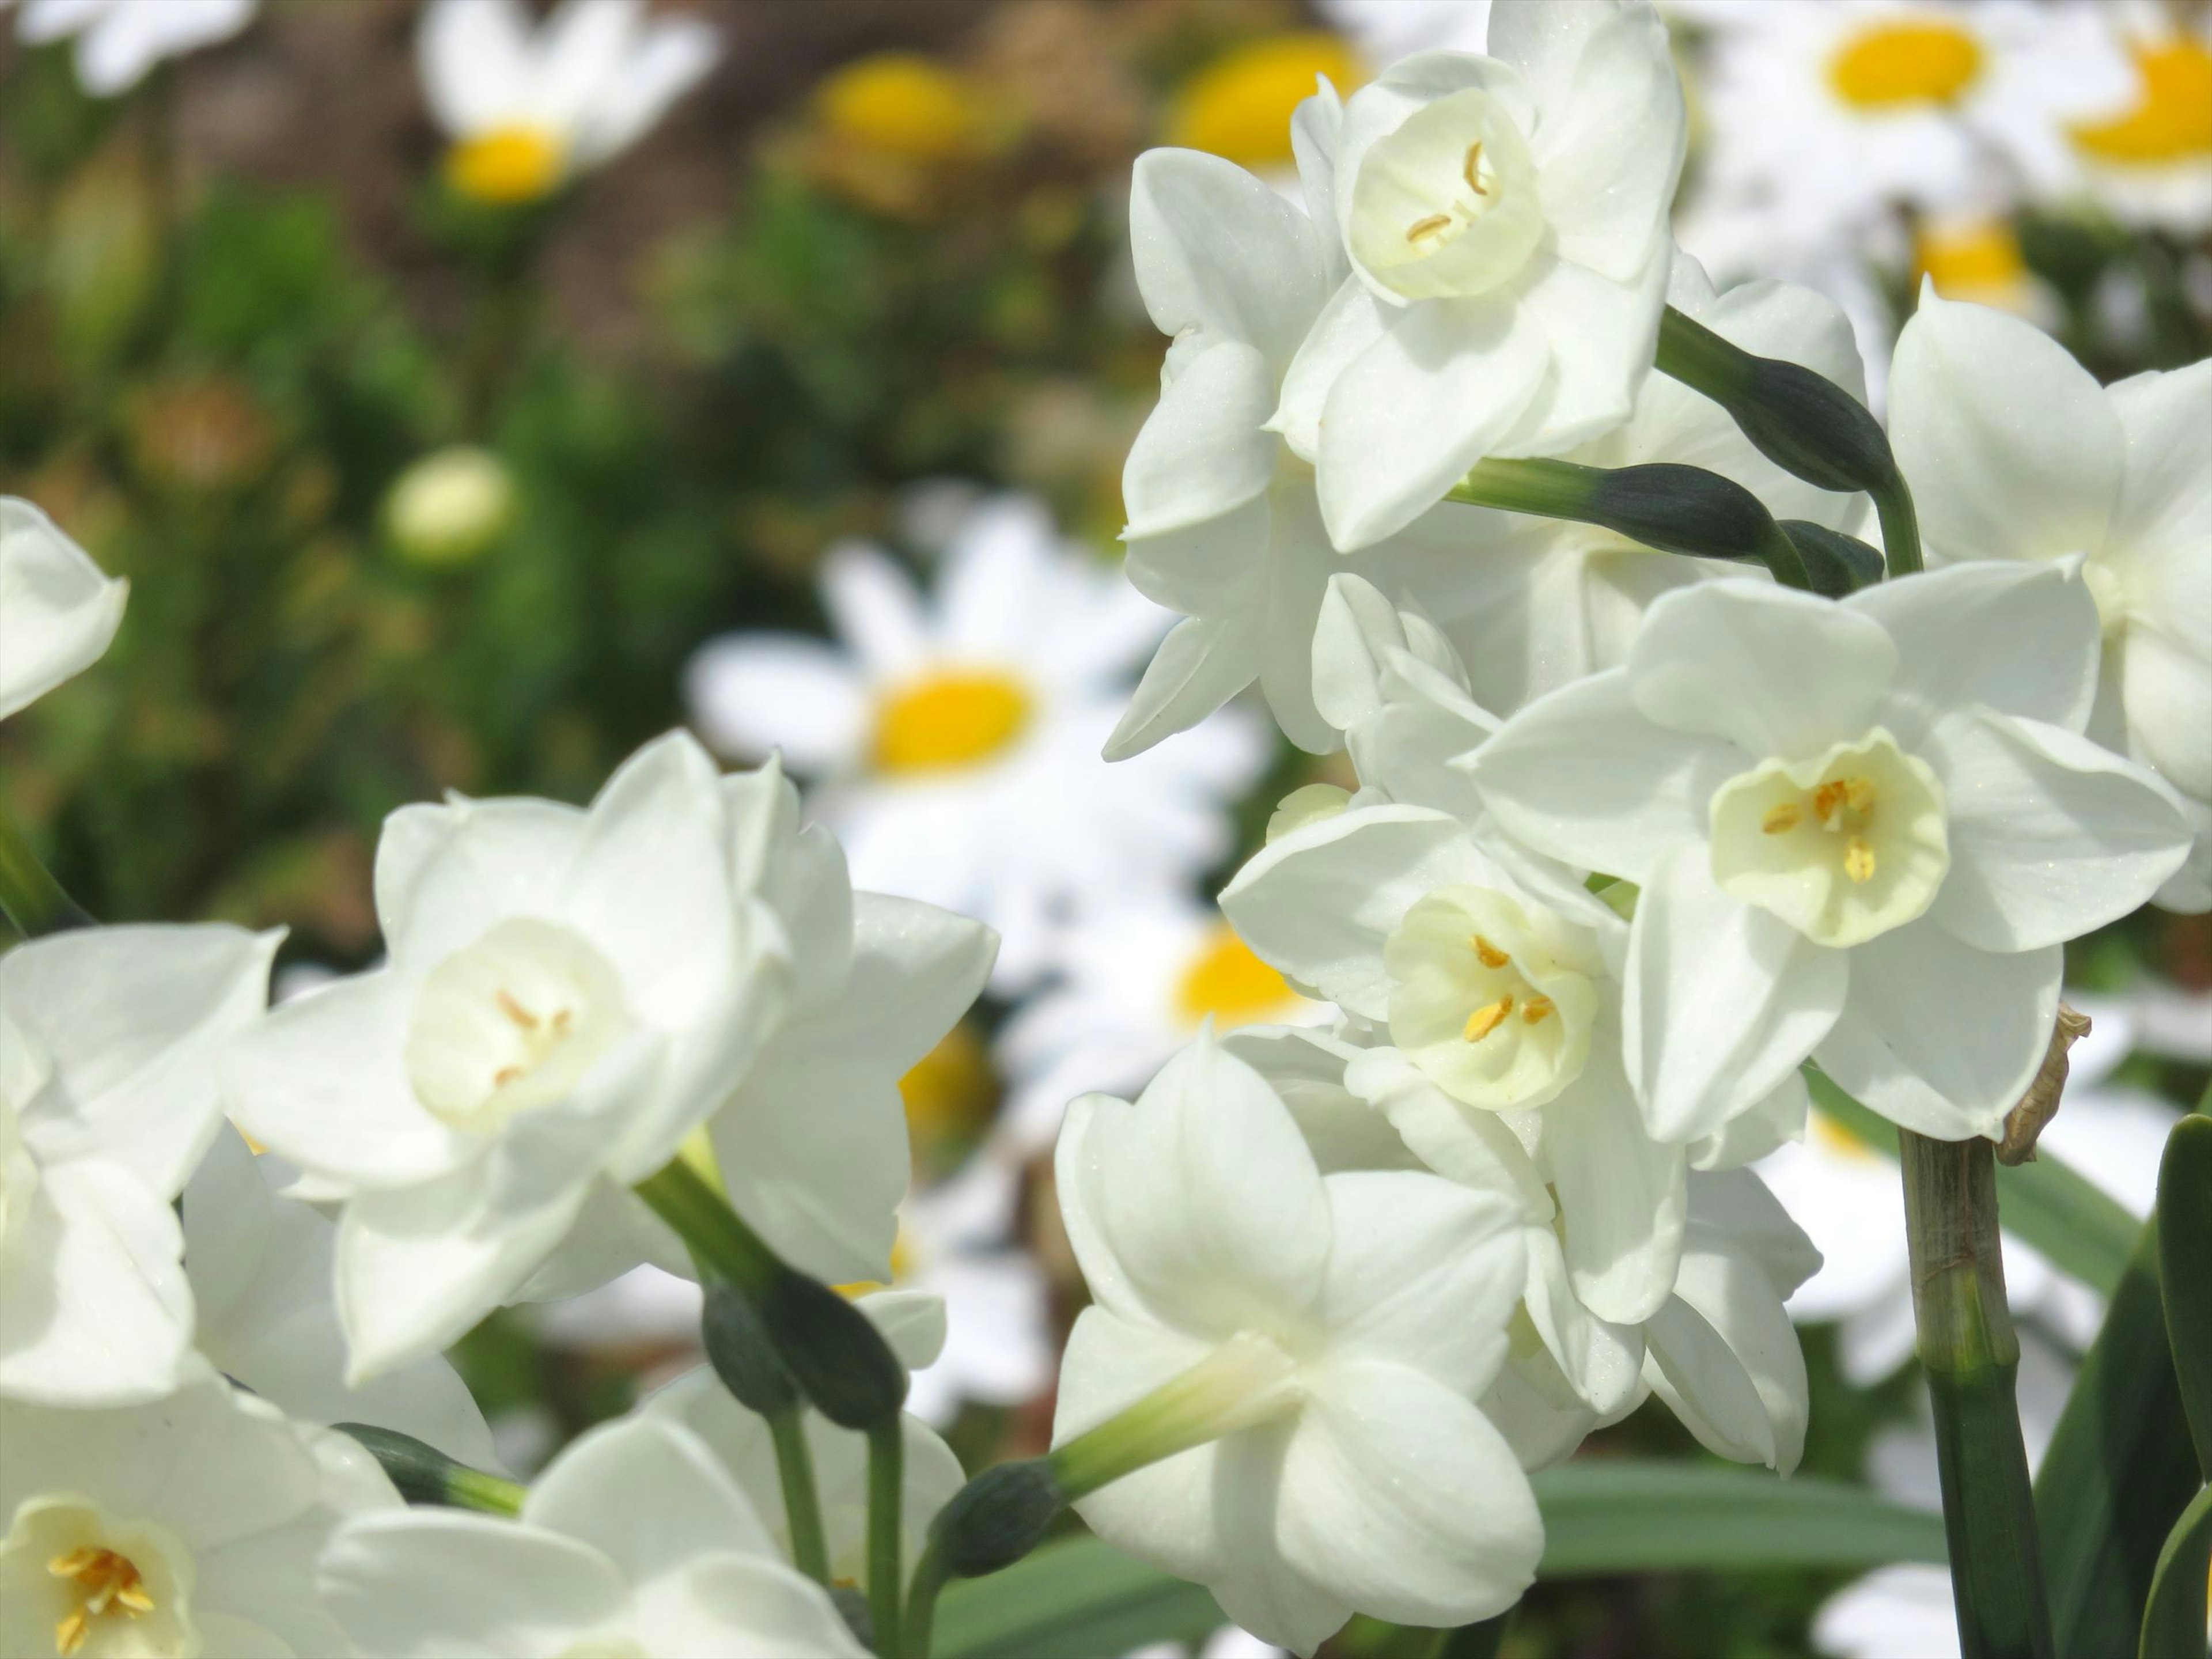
<point>472,391</point>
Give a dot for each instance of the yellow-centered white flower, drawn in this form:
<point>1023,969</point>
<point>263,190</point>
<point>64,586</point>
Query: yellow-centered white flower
<point>184,1526</point>
<point>57,611</point>
<point>2117,479</point>
<point>1505,220</point>
<point>1862,831</point>
<point>528,107</point>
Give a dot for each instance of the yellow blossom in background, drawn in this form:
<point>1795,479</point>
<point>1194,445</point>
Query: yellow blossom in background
<point>950,1090</point>
<point>1977,259</point>
<point>1239,106</point>
<point>2172,121</point>
<point>903,105</point>
<point>1225,982</point>
<point>507,166</point>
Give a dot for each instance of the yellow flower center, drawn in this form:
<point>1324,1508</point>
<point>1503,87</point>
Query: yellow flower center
<point>1240,104</point>
<point>508,164</point>
<point>2173,120</point>
<point>105,1585</point>
<point>1923,61</point>
<point>953,718</point>
<point>901,104</point>
<point>1976,259</point>
<point>1225,980</point>
<point>1836,1141</point>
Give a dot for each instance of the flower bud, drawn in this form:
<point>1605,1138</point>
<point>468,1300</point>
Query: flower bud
<point>423,1474</point>
<point>835,1353</point>
<point>449,507</point>
<point>1836,564</point>
<point>739,1349</point>
<point>997,1518</point>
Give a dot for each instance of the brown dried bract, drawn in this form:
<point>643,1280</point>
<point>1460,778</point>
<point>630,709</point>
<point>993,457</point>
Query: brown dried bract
<point>2024,1123</point>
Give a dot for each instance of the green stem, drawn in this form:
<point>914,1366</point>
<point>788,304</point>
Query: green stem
<point>930,1575</point>
<point>1246,1381</point>
<point>1970,1356</point>
<point>1900,526</point>
<point>886,1518</point>
<point>703,1219</point>
<point>802,1502</point>
<point>29,894</point>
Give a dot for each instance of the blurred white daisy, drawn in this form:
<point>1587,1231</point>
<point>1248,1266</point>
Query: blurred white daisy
<point>528,108</point>
<point>955,739</point>
<point>118,40</point>
<point>1846,1195</point>
<point>1136,983</point>
<point>1821,117</point>
<point>1386,30</point>
<point>2150,163</point>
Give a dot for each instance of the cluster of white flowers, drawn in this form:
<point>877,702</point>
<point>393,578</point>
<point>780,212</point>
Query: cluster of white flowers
<point>571,999</point>
<point>1636,838</point>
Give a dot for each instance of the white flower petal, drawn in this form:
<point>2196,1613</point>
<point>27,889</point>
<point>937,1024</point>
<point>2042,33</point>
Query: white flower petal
<point>2050,835</point>
<point>57,610</point>
<point>645,1492</point>
<point>753,694</point>
<point>1938,1037</point>
<point>1257,1587</point>
<point>676,55</point>
<point>1622,1195</point>
<point>473,57</point>
<point>2011,449</point>
<point>1202,663</point>
<point>1723,999</point>
<point>1600,1360</point>
<point>1352,321</point>
<point>1399,1497</point>
<point>874,605</point>
<point>1602,335</point>
<point>1775,672</point>
<point>1219,252</point>
<point>1201,453</point>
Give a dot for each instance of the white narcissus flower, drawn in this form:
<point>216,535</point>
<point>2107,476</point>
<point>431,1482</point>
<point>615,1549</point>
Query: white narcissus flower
<point>189,1524</point>
<point>259,1264</point>
<point>699,1404</point>
<point>528,107</point>
<point>108,1099</point>
<point>1553,599</point>
<point>1137,983</point>
<point>1224,523</point>
<point>2014,451</point>
<point>635,1541</point>
<point>1505,219</point>
<point>2150,162</point>
<point>1333,1330</point>
<point>118,40</point>
<point>956,742</point>
<point>57,611</point>
<point>1862,830</point>
<point>1824,119</point>
<point>568,995</point>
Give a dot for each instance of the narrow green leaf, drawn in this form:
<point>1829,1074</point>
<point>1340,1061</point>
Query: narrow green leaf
<point>1079,1598</point>
<point>2184,1244</point>
<point>2173,1623</point>
<point>2080,1226</point>
<point>1075,1600</point>
<point>2118,1470</point>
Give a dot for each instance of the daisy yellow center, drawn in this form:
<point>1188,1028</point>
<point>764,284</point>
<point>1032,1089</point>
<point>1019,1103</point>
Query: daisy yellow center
<point>2172,121</point>
<point>1492,999</point>
<point>953,718</point>
<point>1446,207</point>
<point>1226,981</point>
<point>79,1583</point>
<point>1970,260</point>
<point>903,1270</point>
<point>511,1022</point>
<point>1836,1141</point>
<point>1916,61</point>
<point>1844,846</point>
<point>1240,104</point>
<point>508,165</point>
<point>948,1089</point>
<point>901,104</point>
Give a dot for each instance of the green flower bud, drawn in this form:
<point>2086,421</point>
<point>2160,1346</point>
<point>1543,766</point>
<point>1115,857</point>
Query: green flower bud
<point>835,1353</point>
<point>423,1474</point>
<point>738,1348</point>
<point>996,1519</point>
<point>449,507</point>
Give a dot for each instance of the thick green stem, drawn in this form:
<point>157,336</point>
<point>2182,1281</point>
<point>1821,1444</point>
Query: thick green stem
<point>1244,1382</point>
<point>703,1219</point>
<point>1900,526</point>
<point>802,1502</point>
<point>886,1518</point>
<point>29,894</point>
<point>1970,1356</point>
<point>930,1576</point>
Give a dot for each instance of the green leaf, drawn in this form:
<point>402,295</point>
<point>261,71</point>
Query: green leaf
<point>1075,1600</point>
<point>1079,1599</point>
<point>2118,1470</point>
<point>2173,1623</point>
<point>2184,1244</point>
<point>2080,1226</point>
<point>1608,1515</point>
